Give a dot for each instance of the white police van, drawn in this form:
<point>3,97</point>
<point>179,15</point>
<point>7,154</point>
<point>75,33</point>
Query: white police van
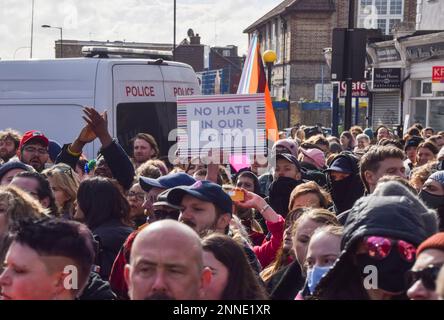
<point>138,94</point>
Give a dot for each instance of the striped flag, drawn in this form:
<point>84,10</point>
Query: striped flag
<point>253,80</point>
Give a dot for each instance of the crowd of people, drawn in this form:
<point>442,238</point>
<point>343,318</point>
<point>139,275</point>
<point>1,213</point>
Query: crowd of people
<point>355,217</point>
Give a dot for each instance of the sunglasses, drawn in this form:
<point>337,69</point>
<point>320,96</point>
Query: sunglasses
<point>428,276</point>
<point>380,247</point>
<point>160,214</point>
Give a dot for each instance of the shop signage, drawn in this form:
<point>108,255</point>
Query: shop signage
<point>438,78</point>
<point>386,78</point>
<point>388,54</point>
<point>426,51</point>
<point>359,90</point>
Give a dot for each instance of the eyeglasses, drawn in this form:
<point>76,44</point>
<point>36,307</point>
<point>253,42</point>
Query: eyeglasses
<point>428,276</point>
<point>160,214</point>
<point>30,149</point>
<point>139,195</point>
<point>380,247</point>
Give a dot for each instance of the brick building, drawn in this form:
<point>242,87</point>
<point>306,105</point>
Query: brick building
<point>299,30</point>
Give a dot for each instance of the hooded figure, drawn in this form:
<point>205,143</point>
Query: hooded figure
<point>397,220</point>
<point>433,197</point>
<point>279,194</point>
<point>346,191</point>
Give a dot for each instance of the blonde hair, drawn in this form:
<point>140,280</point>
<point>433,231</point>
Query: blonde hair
<point>64,177</point>
<point>20,205</point>
<point>421,174</point>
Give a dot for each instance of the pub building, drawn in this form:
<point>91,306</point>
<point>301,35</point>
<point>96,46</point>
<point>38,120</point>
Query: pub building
<point>401,80</point>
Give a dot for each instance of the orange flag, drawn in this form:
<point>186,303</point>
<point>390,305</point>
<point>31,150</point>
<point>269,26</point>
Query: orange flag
<point>253,80</point>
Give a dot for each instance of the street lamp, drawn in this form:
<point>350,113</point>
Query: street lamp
<point>61,37</point>
<point>269,59</point>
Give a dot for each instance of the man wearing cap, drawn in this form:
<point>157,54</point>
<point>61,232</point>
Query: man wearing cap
<point>33,150</point>
<point>10,169</point>
<point>207,208</point>
<point>410,148</point>
<point>157,209</point>
<point>153,187</point>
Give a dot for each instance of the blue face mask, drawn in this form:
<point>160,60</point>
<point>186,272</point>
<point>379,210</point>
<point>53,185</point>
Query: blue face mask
<point>314,275</point>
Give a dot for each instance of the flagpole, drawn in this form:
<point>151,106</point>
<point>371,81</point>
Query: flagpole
<point>32,27</point>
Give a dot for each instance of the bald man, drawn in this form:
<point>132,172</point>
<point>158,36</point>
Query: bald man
<point>166,264</point>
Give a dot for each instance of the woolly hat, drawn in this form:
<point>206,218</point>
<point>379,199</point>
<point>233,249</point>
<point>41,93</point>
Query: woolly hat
<point>434,242</point>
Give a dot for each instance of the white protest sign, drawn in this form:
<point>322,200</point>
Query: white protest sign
<point>234,124</point>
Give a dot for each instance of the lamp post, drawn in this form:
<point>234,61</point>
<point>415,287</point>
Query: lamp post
<point>61,37</point>
<point>174,31</point>
<point>269,59</point>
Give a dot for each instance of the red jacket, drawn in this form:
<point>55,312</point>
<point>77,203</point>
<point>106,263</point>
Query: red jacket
<point>116,277</point>
<point>266,252</point>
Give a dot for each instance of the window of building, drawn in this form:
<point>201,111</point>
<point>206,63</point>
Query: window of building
<point>226,53</point>
<point>380,14</point>
<point>427,107</point>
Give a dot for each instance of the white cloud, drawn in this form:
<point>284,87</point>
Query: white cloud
<point>219,22</point>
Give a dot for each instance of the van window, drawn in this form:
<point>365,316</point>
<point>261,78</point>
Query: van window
<point>155,118</point>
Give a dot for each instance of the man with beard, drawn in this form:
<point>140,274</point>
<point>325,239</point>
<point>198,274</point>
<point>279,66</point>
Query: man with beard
<point>9,144</point>
<point>33,150</point>
<point>144,148</point>
<point>206,208</point>
<point>166,263</point>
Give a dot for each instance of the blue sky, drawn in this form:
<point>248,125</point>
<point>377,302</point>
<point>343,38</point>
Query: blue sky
<point>219,22</point>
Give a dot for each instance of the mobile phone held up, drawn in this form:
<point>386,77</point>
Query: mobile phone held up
<point>236,195</point>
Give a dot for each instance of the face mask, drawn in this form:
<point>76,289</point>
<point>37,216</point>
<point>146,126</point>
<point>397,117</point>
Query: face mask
<point>431,200</point>
<point>314,275</point>
<point>390,274</point>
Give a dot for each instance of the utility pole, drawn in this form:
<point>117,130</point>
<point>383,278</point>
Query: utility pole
<point>349,66</point>
<point>174,32</point>
<point>32,28</point>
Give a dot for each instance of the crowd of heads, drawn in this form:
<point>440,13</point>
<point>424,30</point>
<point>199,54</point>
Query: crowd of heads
<point>357,217</point>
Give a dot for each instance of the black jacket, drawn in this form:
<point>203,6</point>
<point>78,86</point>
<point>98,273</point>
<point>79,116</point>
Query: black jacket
<point>111,236</point>
<point>116,158</point>
<point>286,283</point>
<point>97,289</point>
<point>311,173</point>
<point>389,216</point>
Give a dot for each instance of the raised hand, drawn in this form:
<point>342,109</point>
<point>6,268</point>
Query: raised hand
<point>98,123</point>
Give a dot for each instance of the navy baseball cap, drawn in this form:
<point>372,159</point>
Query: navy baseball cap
<point>205,191</point>
<point>166,182</point>
<point>290,158</point>
<point>341,164</point>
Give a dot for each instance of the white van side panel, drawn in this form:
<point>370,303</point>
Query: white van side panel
<point>48,118</point>
<point>179,81</point>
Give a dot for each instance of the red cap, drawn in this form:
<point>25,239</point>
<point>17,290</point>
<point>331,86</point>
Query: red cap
<point>434,242</point>
<point>33,134</point>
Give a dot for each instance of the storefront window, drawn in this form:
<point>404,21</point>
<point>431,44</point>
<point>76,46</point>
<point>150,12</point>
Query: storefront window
<point>419,111</point>
<point>436,120</point>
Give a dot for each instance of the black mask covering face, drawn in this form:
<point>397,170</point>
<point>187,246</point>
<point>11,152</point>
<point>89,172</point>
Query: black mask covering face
<point>432,201</point>
<point>279,194</point>
<point>346,191</point>
<point>391,270</point>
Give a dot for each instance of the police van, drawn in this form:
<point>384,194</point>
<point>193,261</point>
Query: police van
<point>139,95</point>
